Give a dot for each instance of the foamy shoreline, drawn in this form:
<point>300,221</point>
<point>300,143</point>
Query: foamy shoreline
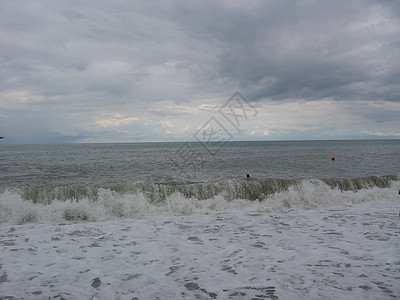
<point>347,253</point>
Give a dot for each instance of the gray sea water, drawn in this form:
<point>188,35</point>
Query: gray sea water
<point>104,165</point>
<point>156,171</point>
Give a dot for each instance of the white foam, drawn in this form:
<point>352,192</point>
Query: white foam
<point>346,253</point>
<point>108,205</point>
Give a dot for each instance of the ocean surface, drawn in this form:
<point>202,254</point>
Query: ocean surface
<point>104,165</point>
<point>180,220</point>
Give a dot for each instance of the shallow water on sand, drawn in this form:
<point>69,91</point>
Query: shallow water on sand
<point>346,253</point>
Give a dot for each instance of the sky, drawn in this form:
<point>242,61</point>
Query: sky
<point>142,71</point>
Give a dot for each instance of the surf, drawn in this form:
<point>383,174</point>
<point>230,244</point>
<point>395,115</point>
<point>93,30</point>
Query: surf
<point>20,205</point>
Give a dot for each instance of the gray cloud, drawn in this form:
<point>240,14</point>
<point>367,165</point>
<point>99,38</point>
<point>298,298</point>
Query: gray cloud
<point>82,60</point>
<point>286,50</point>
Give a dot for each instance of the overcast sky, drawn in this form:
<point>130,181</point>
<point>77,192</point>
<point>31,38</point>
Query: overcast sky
<point>128,71</point>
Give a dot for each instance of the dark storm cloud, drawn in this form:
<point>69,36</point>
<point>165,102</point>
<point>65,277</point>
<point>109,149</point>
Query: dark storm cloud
<point>304,49</point>
<point>276,49</point>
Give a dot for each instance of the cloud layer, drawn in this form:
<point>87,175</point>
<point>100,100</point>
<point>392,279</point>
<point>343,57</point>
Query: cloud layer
<point>101,71</point>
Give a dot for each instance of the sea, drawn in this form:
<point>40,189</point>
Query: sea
<point>318,219</point>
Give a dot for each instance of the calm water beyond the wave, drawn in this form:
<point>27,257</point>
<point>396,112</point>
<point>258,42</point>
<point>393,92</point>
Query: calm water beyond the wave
<point>103,165</point>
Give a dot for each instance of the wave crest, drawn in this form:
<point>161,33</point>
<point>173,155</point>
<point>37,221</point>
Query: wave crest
<point>25,205</point>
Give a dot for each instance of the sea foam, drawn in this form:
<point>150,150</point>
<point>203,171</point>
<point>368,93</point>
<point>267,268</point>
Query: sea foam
<point>26,205</point>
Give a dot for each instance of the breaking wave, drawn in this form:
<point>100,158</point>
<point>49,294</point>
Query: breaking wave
<point>24,205</point>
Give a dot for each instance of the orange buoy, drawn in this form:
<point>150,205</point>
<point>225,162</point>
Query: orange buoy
<point>333,158</point>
